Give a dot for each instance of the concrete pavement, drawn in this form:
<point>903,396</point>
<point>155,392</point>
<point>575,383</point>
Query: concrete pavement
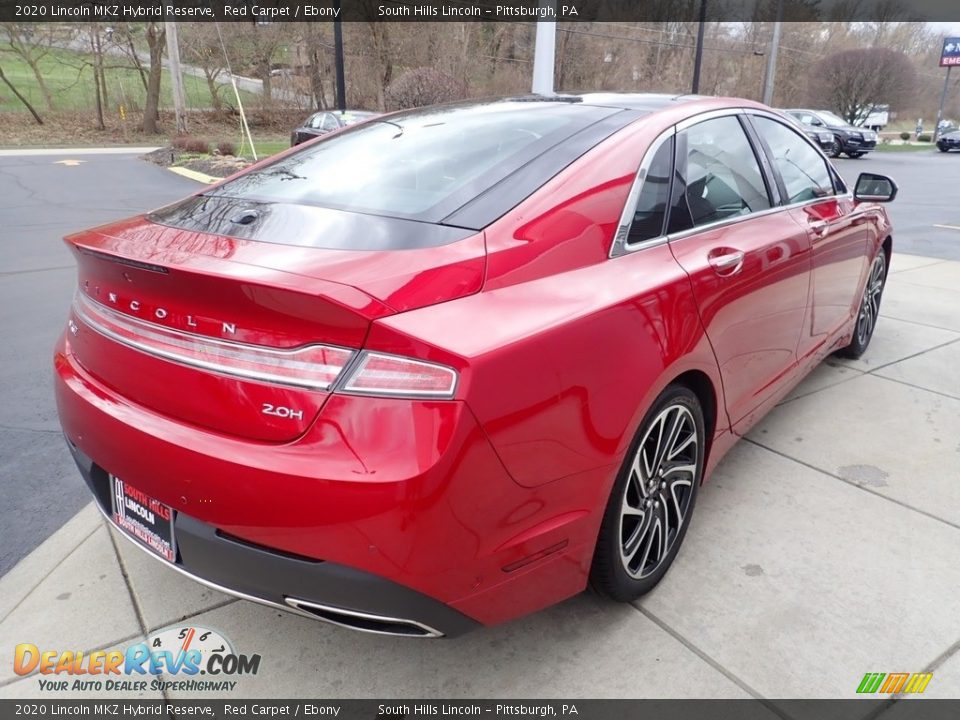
<point>825,547</point>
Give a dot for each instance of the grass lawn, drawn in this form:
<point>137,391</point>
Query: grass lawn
<point>897,147</point>
<point>266,146</point>
<point>69,77</point>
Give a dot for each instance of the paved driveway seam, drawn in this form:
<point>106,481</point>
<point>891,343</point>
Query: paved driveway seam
<point>908,384</point>
<point>705,657</point>
<point>915,355</point>
<point>853,483</point>
<point>915,322</point>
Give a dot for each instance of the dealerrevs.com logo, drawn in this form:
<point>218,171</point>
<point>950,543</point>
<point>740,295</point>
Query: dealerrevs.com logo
<point>198,658</point>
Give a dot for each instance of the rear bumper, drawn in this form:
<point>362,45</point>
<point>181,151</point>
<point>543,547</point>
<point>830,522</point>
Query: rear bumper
<point>321,590</point>
<point>397,514</point>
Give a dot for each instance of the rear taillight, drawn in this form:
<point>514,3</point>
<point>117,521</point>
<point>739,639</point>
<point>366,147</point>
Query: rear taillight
<point>316,367</point>
<point>313,366</point>
<point>379,374</point>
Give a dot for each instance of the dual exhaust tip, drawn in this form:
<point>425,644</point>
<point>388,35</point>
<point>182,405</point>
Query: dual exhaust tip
<point>363,622</point>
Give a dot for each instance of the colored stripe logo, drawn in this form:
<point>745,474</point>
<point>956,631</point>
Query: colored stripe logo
<point>893,683</point>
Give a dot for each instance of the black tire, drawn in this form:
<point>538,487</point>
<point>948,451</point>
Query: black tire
<point>836,150</point>
<point>650,511</point>
<point>943,149</point>
<point>869,309</point>
<point>855,155</point>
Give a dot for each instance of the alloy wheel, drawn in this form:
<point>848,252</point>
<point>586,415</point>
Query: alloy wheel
<point>870,306</point>
<point>657,494</point>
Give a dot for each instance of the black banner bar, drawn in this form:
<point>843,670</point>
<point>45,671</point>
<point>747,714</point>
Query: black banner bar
<point>866,709</point>
<point>114,11</point>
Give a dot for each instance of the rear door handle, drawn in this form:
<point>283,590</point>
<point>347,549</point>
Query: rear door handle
<point>729,263</point>
<point>818,227</point>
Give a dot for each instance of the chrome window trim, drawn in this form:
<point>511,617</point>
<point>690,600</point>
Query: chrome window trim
<point>709,115</point>
<point>740,218</point>
<point>776,117</point>
<point>620,246</point>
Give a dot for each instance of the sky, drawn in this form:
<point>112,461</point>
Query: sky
<point>947,29</point>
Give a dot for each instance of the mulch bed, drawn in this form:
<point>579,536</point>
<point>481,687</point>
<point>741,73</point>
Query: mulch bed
<point>215,165</point>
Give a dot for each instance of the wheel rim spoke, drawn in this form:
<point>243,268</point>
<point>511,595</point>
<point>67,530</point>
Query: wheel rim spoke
<point>870,306</point>
<point>658,490</point>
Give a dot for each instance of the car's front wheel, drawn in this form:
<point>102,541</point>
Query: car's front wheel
<point>869,311</point>
<point>836,149</point>
<point>855,155</point>
<point>653,498</point>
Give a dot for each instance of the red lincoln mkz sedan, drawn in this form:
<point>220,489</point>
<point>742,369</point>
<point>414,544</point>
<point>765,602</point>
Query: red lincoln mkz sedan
<point>449,366</point>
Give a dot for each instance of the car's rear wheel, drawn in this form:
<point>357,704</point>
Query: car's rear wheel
<point>869,309</point>
<point>653,498</point>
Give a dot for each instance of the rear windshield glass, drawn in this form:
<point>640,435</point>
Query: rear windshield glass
<point>421,166</point>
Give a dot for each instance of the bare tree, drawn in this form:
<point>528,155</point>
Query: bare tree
<point>21,98</point>
<point>316,51</point>
<point>99,79</point>
<point>201,48</point>
<point>123,36</point>
<point>255,46</point>
<point>156,40</point>
<point>423,86</point>
<point>29,42</point>
<point>854,82</point>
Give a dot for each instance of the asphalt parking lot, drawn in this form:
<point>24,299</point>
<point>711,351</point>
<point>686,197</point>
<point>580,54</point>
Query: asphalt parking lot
<point>824,547</point>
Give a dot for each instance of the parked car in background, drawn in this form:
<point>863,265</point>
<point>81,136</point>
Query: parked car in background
<point>855,142</point>
<point>327,121</point>
<point>949,141</point>
<point>446,368</point>
<point>878,118</point>
<point>823,138</point>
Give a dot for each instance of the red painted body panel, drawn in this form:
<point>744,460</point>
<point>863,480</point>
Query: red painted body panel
<point>560,351</point>
<point>753,318</point>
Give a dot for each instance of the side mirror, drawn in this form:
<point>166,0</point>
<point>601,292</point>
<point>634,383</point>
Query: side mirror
<point>871,187</point>
<point>815,122</point>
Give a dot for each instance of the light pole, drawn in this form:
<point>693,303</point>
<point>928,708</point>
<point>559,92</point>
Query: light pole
<point>770,77</point>
<point>544,53</point>
<point>176,78</point>
<point>698,58</point>
<point>338,59</point>
<point>943,99</point>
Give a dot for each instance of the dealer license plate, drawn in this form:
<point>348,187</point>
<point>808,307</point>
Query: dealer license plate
<point>149,521</point>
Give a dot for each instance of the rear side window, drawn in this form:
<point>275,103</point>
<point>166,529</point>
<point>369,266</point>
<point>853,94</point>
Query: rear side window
<point>653,198</point>
<point>804,171</point>
<point>419,166</point>
<point>723,177</point>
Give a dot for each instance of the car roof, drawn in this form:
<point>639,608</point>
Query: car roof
<point>650,102</point>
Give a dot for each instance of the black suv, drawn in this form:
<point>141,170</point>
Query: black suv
<point>854,141</point>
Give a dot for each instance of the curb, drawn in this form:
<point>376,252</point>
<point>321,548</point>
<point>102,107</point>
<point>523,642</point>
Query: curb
<point>195,175</point>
